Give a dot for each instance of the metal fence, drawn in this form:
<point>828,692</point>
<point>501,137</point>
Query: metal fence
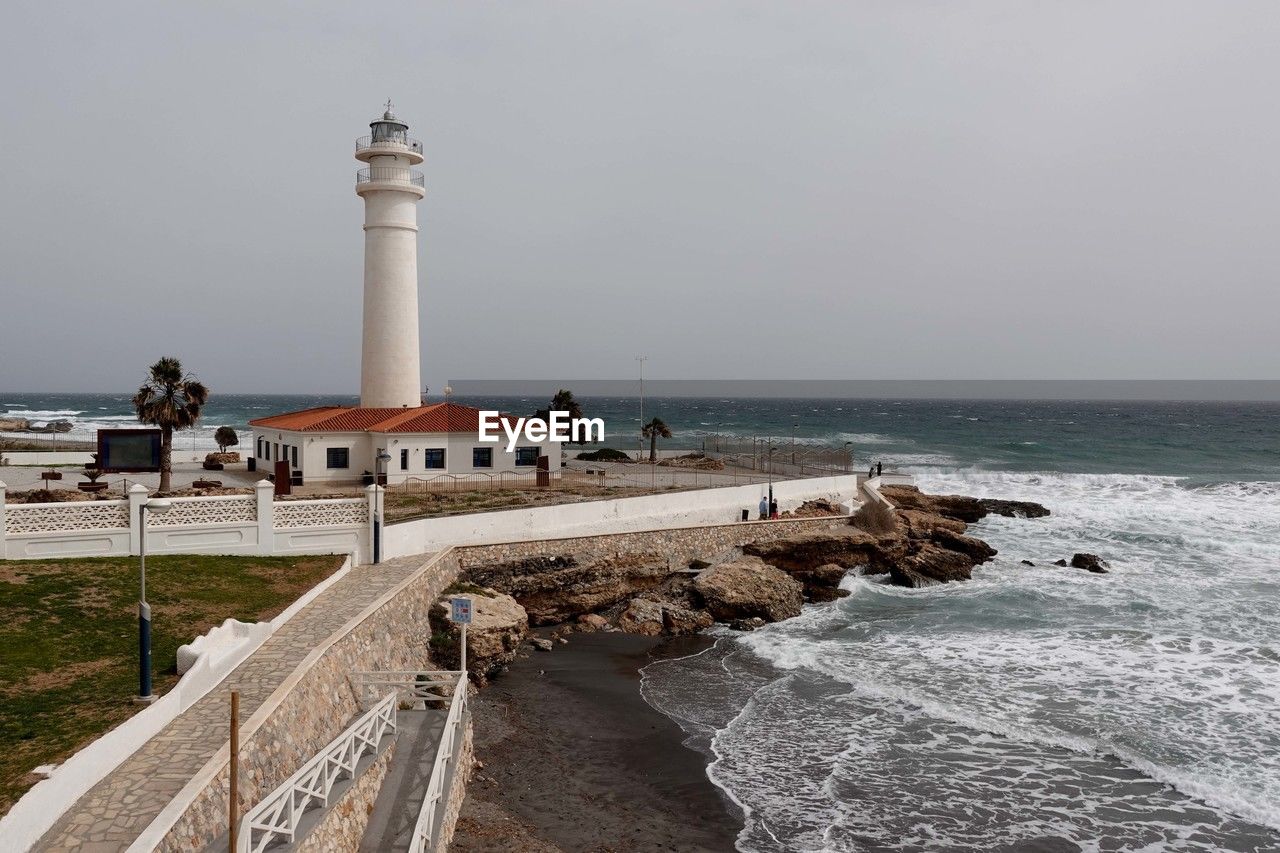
<point>782,458</point>
<point>390,175</point>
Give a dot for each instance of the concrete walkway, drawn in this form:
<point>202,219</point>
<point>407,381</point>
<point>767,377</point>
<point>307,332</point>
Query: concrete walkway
<point>395,812</point>
<point>115,811</point>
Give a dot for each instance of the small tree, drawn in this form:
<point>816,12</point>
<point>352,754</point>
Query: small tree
<point>652,430</point>
<point>225,437</point>
<point>169,399</point>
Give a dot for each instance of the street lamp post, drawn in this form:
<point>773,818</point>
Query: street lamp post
<point>144,610</point>
<point>848,456</point>
<point>379,471</point>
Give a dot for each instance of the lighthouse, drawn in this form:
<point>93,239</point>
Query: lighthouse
<point>394,436</point>
<point>390,373</point>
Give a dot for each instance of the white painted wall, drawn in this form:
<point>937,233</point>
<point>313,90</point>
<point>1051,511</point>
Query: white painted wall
<point>649,512</point>
<point>390,373</point>
<point>363,449</point>
<point>326,527</point>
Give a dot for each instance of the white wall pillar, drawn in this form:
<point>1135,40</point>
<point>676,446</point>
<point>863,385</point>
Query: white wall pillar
<point>138,494</point>
<point>264,491</point>
<point>4,554</point>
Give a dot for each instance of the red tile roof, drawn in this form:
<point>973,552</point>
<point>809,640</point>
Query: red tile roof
<point>437,417</point>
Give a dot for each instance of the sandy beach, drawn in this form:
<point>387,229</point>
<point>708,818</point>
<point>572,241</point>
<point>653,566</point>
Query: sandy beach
<point>574,759</point>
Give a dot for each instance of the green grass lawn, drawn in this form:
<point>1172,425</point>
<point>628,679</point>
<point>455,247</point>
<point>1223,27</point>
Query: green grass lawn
<point>69,640</point>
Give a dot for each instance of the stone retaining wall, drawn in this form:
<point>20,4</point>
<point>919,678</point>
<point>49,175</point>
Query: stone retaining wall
<point>314,705</point>
<point>464,765</point>
<point>346,820</point>
<point>680,544</point>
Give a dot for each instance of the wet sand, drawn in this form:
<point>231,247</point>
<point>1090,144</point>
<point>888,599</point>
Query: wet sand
<point>575,760</point>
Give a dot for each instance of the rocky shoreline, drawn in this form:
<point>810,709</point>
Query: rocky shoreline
<point>917,540</point>
<point>579,708</point>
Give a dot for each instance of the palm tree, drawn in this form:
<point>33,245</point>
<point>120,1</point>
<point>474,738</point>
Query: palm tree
<point>169,399</point>
<point>563,402</point>
<point>651,431</point>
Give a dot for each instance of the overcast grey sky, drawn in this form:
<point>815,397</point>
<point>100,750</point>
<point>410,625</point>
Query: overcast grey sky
<point>879,190</point>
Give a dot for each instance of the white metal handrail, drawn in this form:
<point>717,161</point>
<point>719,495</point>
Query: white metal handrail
<point>410,686</point>
<point>277,816</point>
<point>428,824</point>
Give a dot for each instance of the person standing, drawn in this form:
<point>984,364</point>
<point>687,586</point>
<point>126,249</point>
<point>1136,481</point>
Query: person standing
<point>764,507</point>
<point>773,509</point>
<point>879,468</point>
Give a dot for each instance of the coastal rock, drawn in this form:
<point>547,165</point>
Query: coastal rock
<point>921,525</point>
<point>557,589</point>
<point>1062,563</point>
<point>14,424</point>
<point>970,546</point>
<point>930,565</point>
<point>541,644</point>
<point>749,587</point>
<point>498,626</point>
<point>747,624</point>
<point>1027,563</point>
<point>681,620</point>
<point>1014,509</point>
<point>1089,562</point>
<point>642,617</point>
<point>592,622</point>
<point>821,558</point>
<point>959,507</point>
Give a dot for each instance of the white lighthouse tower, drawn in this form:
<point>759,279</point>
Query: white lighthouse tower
<point>390,373</point>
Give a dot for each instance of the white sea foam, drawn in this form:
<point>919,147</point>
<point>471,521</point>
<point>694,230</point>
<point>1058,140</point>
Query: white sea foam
<point>1141,707</point>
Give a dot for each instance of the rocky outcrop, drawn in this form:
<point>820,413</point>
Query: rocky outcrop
<point>747,587</point>
<point>557,589</point>
<point>820,559</point>
<point>498,627</point>
<point>970,546</point>
<point>960,507</point>
<point>930,565</point>
<point>1014,509</point>
<point>1090,563</point>
<point>14,424</point>
<point>642,617</point>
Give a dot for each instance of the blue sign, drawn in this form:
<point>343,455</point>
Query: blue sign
<point>461,612</point>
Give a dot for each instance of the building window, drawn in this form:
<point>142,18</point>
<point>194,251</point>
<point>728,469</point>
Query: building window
<point>404,460</point>
<point>293,452</point>
<point>435,458</point>
<point>482,457</point>
<point>527,456</point>
<point>259,447</point>
<point>337,457</point>
<point>266,451</point>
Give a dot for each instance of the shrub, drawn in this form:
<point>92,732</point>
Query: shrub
<point>604,454</point>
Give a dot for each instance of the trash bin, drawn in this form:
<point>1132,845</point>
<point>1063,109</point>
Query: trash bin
<point>746,515</point>
<point>253,464</point>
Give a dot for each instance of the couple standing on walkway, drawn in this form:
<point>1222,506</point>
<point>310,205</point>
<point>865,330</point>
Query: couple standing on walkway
<point>768,508</point>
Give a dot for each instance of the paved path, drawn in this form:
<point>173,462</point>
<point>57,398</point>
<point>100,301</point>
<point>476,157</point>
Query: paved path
<point>395,812</point>
<point>115,811</point>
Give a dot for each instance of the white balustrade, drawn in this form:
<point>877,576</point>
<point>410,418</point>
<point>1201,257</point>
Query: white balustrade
<point>276,817</point>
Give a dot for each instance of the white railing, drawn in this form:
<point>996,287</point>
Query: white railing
<point>428,825</point>
<point>410,686</point>
<point>276,817</point>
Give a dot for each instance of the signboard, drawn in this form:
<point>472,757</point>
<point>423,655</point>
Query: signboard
<point>128,451</point>
<point>461,612</point>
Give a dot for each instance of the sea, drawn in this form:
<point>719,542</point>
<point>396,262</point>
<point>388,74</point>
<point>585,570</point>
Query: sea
<point>1034,708</point>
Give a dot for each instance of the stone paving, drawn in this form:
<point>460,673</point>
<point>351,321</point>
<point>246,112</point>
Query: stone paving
<point>115,811</point>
